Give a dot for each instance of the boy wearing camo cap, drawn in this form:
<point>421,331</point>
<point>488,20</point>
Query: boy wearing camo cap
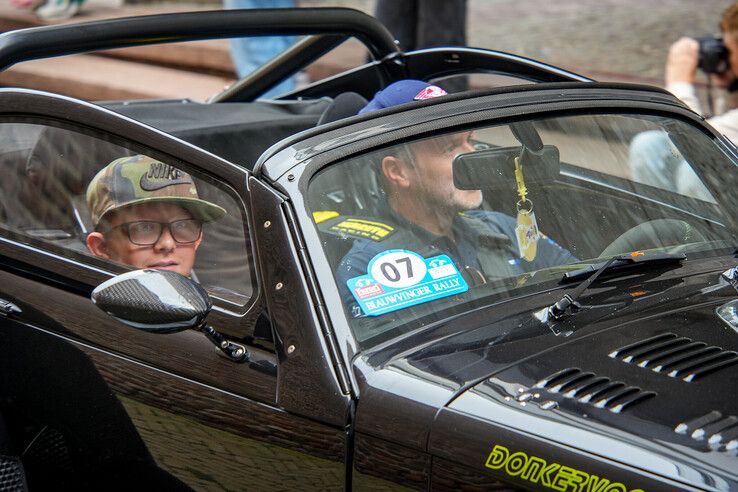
<point>147,214</point>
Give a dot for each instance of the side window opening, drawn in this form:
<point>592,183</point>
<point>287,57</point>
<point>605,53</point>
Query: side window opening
<point>46,201</point>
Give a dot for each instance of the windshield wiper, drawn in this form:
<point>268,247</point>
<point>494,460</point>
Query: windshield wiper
<point>625,263</point>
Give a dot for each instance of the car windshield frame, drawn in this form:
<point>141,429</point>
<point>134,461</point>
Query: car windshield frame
<point>671,112</point>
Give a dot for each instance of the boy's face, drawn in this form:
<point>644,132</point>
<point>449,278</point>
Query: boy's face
<point>164,254</point>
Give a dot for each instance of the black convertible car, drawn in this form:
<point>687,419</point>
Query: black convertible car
<point>281,364</point>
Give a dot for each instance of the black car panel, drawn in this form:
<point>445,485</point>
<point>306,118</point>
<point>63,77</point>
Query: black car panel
<point>530,462</point>
<point>33,275</point>
<point>296,325</point>
<point>384,465</point>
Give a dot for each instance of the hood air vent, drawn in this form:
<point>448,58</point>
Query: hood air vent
<point>719,432</point>
<point>599,391</point>
<point>675,356</point>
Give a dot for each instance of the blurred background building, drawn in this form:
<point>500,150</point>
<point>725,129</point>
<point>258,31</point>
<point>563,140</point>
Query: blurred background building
<point>608,40</point>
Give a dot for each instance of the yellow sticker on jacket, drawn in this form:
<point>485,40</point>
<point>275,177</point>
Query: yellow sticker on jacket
<point>369,229</point>
<point>323,215</point>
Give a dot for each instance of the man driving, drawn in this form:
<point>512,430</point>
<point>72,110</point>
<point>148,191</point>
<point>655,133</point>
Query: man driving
<point>429,216</point>
<point>147,214</point>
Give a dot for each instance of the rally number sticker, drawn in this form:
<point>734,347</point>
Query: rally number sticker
<point>399,278</point>
<point>398,268</point>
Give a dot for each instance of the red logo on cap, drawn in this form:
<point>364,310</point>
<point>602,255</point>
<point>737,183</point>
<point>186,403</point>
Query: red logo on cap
<point>430,92</point>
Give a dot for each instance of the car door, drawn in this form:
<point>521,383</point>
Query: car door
<point>90,401</point>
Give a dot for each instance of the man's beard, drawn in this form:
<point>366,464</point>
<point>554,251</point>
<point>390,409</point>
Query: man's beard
<point>450,201</point>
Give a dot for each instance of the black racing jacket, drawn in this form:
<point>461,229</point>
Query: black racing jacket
<point>485,248</point>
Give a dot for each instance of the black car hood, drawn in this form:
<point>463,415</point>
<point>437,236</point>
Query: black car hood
<point>645,376</point>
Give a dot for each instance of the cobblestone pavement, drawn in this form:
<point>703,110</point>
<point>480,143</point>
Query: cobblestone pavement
<point>603,39</point>
<point>600,38</point>
<point>608,40</point>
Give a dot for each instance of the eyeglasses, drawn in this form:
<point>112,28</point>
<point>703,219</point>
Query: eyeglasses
<point>148,232</point>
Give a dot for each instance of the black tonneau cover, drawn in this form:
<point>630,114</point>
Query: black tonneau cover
<point>238,132</point>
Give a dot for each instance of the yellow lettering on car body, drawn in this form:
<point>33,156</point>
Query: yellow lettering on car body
<point>549,474</point>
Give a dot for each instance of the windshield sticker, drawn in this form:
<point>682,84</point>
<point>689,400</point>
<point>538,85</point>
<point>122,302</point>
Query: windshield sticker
<point>549,474</point>
<point>399,278</point>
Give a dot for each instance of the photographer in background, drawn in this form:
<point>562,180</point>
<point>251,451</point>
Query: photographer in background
<point>718,58</point>
<point>653,158</point>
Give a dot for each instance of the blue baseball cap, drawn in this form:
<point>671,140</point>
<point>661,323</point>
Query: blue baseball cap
<point>401,92</point>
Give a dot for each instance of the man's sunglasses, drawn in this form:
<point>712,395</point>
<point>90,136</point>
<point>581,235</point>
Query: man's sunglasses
<point>148,232</point>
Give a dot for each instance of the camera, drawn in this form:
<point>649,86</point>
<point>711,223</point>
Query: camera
<point>713,55</point>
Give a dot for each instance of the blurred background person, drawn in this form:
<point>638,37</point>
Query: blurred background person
<point>248,54</point>
<point>420,24</point>
<point>653,157</point>
<point>50,10</point>
<point>718,58</point>
<point>424,23</point>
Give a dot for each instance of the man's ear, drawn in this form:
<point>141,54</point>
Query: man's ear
<point>97,245</point>
<point>396,171</point>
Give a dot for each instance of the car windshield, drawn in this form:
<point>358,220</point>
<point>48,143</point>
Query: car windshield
<point>434,227</point>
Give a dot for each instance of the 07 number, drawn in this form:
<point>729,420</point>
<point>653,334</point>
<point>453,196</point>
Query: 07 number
<point>398,268</point>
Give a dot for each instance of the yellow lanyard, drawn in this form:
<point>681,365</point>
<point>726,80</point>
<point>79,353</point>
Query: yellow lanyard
<point>522,190</point>
<point>526,230</point>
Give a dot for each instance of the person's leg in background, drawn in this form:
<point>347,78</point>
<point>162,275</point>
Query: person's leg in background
<point>400,18</point>
<point>418,24</point>
<point>248,54</point>
<point>441,23</point>
<point>58,9</point>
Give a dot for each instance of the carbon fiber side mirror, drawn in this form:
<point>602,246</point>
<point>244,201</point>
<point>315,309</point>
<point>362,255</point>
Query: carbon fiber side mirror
<point>157,301</point>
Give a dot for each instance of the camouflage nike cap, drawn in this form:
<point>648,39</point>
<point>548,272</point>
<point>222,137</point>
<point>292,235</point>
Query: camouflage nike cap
<point>140,179</point>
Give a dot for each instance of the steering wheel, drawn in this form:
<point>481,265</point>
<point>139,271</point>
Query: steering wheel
<point>662,232</point>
